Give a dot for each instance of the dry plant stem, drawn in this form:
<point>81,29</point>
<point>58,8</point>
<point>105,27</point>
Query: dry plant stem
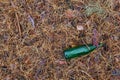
<point>18,24</point>
<point>85,43</point>
<point>95,38</point>
<point>87,74</point>
<point>17,18</point>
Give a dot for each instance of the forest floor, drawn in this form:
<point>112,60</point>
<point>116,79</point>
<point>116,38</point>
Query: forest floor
<point>34,34</point>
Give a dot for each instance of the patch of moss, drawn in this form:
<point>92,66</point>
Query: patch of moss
<point>94,8</point>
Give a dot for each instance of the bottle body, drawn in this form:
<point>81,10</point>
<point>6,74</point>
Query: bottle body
<point>79,51</point>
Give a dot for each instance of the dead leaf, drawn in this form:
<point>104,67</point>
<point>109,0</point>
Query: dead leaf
<point>69,13</point>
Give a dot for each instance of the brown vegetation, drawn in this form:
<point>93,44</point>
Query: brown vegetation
<point>34,33</point>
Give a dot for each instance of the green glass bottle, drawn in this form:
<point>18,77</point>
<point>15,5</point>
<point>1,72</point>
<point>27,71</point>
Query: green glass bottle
<point>80,50</point>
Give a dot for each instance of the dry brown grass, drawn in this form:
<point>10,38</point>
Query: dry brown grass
<point>28,50</point>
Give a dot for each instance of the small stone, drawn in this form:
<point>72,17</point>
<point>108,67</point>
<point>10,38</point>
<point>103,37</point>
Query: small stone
<point>61,62</point>
<point>80,27</point>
